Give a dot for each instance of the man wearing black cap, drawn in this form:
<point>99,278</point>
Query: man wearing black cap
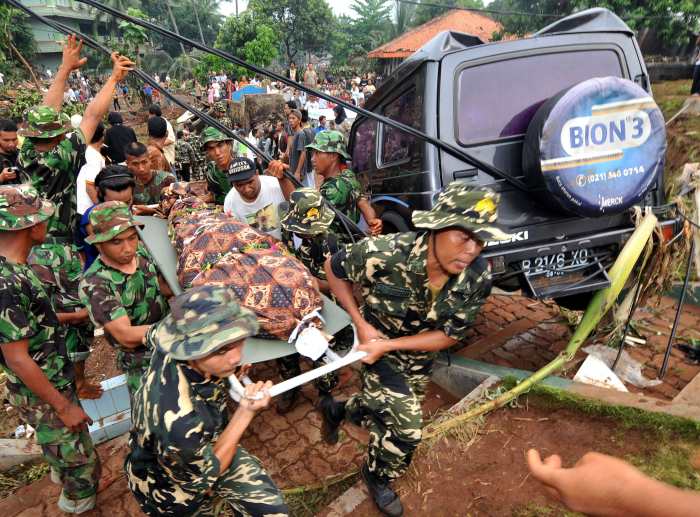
<point>255,199</point>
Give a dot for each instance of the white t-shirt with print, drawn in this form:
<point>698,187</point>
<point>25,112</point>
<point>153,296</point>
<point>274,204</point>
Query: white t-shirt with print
<point>262,214</point>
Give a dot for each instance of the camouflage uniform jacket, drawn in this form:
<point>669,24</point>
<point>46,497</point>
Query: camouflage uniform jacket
<point>184,154</point>
<point>177,417</point>
<point>313,251</point>
<point>109,294</point>
<point>150,194</point>
<point>200,160</point>
<point>391,271</point>
<point>26,312</point>
<point>218,183</point>
<point>54,174</point>
<point>343,192</point>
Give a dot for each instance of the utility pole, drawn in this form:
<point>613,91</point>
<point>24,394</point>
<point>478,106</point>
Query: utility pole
<point>236,8</point>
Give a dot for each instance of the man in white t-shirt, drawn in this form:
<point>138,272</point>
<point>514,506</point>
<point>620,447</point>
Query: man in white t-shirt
<point>255,199</point>
<point>94,163</point>
<point>169,145</point>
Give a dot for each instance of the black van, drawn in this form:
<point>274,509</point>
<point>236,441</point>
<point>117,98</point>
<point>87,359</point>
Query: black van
<point>482,98</point>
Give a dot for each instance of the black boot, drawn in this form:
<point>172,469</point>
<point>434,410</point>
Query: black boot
<point>286,401</point>
<point>333,414</point>
<point>384,497</point>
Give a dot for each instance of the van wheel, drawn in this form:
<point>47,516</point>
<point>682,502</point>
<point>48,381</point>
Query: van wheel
<point>394,223</point>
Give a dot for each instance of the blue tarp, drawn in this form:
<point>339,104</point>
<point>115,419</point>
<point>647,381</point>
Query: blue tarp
<point>247,90</point>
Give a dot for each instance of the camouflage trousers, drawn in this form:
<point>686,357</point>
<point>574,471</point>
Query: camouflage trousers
<point>134,365</point>
<point>289,367</point>
<point>71,455</point>
<point>245,487</point>
<point>59,266</point>
<point>389,407</point>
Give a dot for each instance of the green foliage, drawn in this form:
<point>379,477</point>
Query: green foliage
<point>24,100</point>
<point>302,25</point>
<point>672,19</point>
<point>210,63</point>
<point>354,37</point>
<point>263,49</point>
<point>134,36</point>
<point>14,29</point>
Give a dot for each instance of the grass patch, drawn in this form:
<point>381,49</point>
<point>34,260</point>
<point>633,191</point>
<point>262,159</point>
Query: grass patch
<point>310,502</point>
<point>21,475</point>
<point>627,417</point>
<point>670,463</point>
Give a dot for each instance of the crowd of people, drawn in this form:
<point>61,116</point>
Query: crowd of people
<point>72,261</point>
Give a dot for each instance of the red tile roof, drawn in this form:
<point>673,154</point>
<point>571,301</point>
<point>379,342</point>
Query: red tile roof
<point>454,20</point>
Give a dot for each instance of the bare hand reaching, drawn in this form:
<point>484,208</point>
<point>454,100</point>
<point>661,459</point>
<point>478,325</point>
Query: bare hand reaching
<point>121,66</point>
<point>72,47</point>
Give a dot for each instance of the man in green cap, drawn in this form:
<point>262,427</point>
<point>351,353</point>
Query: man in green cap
<point>40,377</point>
<point>422,291</point>
<point>50,155</point>
<point>220,153</point>
<point>122,289</point>
<point>339,184</point>
<point>185,448</point>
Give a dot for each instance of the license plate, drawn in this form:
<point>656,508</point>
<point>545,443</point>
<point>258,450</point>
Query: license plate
<point>558,264</point>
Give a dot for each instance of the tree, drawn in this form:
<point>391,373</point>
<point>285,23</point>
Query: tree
<point>248,37</point>
<point>17,38</point>
<point>372,26</point>
<point>112,22</point>
<point>426,13</point>
<point>303,25</point>
<point>673,20</point>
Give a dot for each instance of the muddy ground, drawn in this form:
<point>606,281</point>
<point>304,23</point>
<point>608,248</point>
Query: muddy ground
<point>483,471</point>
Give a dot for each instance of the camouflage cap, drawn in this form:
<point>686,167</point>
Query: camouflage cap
<point>21,207</point>
<point>330,142</point>
<point>220,106</point>
<point>46,122</point>
<point>308,214</point>
<point>201,321</point>
<point>211,134</point>
<point>472,209</point>
<point>109,220</point>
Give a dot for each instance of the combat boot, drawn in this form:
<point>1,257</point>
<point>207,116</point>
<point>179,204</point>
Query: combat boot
<point>333,414</point>
<point>382,494</point>
<point>286,401</point>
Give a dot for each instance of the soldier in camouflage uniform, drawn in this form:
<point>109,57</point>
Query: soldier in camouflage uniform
<point>220,154</point>
<point>422,291</point>
<point>308,219</point>
<point>61,270</point>
<point>149,182</point>
<point>340,186</point>
<point>122,289</point>
<point>185,450</point>
<point>221,113</point>
<point>200,159</point>
<point>34,356</point>
<point>184,158</point>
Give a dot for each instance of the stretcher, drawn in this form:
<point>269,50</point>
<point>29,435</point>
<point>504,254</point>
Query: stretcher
<point>154,235</point>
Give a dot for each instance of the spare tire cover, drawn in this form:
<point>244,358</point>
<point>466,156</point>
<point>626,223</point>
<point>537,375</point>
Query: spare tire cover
<point>598,146</point>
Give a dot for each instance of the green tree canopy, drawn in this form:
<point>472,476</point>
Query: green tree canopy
<point>302,25</point>
<point>672,19</point>
<point>16,41</point>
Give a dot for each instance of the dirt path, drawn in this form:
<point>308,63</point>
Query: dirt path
<point>488,475</point>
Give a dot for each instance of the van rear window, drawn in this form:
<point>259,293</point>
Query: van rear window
<point>498,100</point>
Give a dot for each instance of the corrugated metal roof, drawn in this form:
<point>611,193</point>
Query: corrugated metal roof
<point>455,20</point>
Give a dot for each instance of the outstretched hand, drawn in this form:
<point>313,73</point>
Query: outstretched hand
<point>121,66</point>
<point>592,486</point>
<point>72,47</point>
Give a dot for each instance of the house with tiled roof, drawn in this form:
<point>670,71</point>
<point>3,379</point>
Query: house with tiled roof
<point>395,51</point>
